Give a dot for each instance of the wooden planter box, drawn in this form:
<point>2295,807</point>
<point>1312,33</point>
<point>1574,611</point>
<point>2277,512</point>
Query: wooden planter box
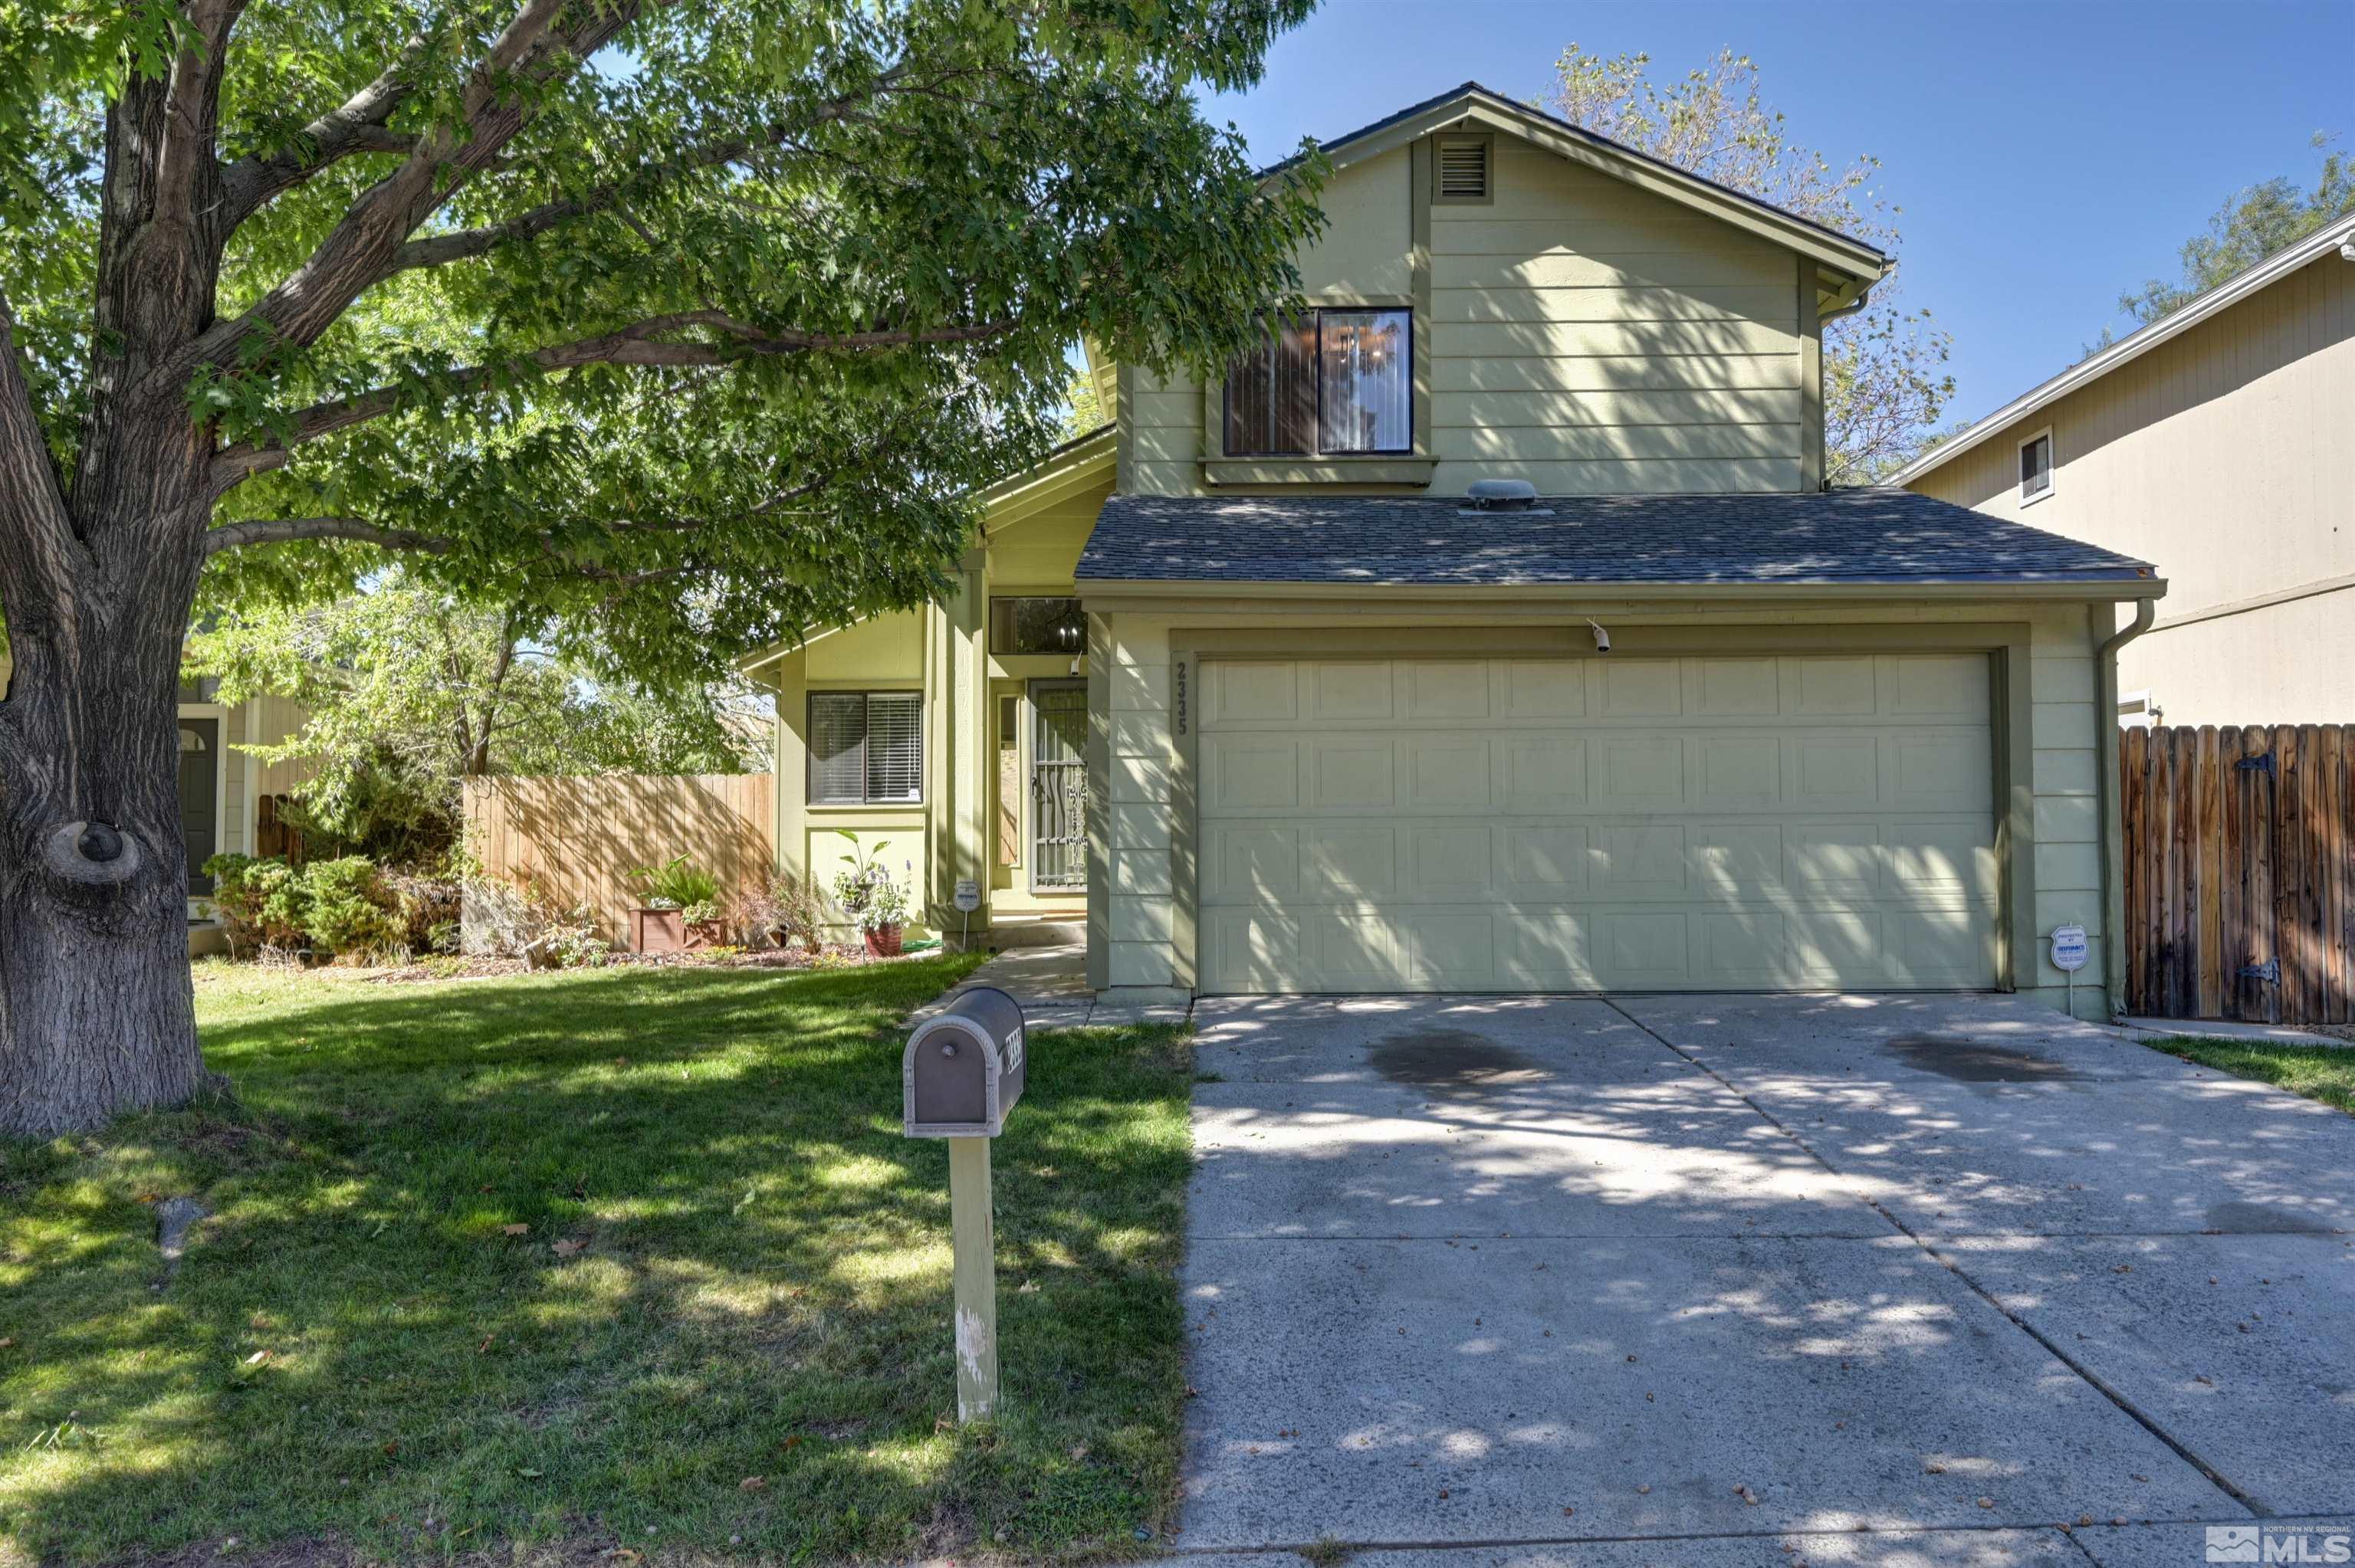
<point>657,931</point>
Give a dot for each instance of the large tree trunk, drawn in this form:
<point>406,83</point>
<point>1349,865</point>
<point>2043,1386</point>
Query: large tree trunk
<point>96,1012</point>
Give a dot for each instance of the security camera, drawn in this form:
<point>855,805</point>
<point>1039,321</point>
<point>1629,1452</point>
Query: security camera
<point>1601,638</point>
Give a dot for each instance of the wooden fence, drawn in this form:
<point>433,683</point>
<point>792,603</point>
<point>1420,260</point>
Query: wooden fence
<point>2240,872</point>
<point>579,838</point>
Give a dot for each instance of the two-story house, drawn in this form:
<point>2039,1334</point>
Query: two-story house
<point>2215,443</point>
<point>1491,630</point>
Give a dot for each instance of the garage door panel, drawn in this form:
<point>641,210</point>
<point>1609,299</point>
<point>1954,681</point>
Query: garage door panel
<point>1641,770</point>
<point>1348,863</point>
<point>1252,862</point>
<point>1541,773</point>
<point>1449,861</point>
<point>1643,949</point>
<point>1446,689</point>
<point>1940,771</point>
<point>1545,859</point>
<point>1246,772</point>
<point>1538,689</point>
<point>1544,951</point>
<point>1736,772</point>
<point>1639,859</point>
<point>1450,950</point>
<point>1796,821</point>
<point>1642,688</point>
<point>1447,773</point>
<point>1237,691</point>
<point>1351,690</point>
<point>1352,772</point>
<point>1734,688</point>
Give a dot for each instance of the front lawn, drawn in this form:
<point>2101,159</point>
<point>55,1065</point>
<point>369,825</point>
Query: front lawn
<point>568,1263</point>
<point>2325,1073</point>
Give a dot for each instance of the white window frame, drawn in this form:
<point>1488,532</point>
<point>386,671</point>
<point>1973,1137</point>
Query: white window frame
<point>2138,710</point>
<point>2051,470</point>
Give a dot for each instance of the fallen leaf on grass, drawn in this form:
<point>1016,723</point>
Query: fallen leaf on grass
<point>517,1229</point>
<point>569,1248</point>
<point>485,1345</point>
<point>751,1483</point>
<point>256,1359</point>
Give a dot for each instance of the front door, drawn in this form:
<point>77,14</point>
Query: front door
<point>1059,787</point>
<point>199,795</point>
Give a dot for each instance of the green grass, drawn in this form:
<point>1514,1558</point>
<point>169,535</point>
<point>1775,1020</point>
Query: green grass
<point>357,1355</point>
<point>2322,1073</point>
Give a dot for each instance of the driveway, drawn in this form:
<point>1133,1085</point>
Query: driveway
<point>1720,1280</point>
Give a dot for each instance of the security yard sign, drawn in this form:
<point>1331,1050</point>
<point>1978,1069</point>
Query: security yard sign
<point>2069,948</point>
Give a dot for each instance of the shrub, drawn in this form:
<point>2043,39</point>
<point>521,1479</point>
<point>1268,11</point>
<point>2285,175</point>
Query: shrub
<point>783,910</point>
<point>259,903</point>
<point>677,884</point>
<point>429,909</point>
<point>352,909</point>
<point>521,919</point>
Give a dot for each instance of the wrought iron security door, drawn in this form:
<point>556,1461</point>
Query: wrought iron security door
<point>1059,787</point>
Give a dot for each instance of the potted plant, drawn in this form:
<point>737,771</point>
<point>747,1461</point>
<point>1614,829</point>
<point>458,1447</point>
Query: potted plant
<point>660,924</point>
<point>869,897</point>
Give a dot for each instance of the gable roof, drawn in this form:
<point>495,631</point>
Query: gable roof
<point>1839,538</point>
<point>2337,236</point>
<point>1856,264</point>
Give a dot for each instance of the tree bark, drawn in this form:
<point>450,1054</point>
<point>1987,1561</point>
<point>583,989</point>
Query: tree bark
<point>97,1016</point>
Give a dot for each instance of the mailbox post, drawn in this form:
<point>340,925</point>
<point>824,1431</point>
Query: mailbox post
<point>962,1071</point>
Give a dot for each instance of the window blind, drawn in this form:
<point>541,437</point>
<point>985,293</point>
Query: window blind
<point>895,763</point>
<point>837,745</point>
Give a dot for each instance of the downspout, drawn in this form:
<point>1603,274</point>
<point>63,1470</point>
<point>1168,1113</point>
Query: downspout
<point>2113,905</point>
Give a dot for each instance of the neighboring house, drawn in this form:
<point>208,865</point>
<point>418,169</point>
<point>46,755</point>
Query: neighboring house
<point>1247,682</point>
<point>228,801</point>
<point>2215,443</point>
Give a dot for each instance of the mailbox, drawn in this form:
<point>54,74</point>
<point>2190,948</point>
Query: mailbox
<point>962,1069</point>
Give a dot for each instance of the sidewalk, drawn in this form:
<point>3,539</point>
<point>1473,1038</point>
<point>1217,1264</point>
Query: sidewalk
<point>1051,984</point>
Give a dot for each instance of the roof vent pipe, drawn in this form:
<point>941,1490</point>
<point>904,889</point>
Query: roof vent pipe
<point>1501,494</point>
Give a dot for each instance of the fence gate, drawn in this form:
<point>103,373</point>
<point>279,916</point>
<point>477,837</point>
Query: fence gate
<point>2240,872</point>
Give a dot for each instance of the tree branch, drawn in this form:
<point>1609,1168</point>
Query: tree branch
<point>39,547</point>
<point>287,530</point>
<point>439,249</point>
<point>640,344</point>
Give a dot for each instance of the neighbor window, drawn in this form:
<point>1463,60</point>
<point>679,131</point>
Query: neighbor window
<point>1333,381</point>
<point>866,748</point>
<point>1036,626</point>
<point>2036,466</point>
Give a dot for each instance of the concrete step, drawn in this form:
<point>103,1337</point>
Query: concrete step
<point>1004,934</point>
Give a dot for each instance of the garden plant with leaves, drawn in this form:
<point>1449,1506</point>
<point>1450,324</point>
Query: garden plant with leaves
<point>693,324</point>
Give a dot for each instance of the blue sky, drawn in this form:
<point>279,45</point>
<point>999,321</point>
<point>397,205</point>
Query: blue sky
<point>2046,156</point>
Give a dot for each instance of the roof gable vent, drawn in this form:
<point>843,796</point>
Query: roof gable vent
<point>1463,168</point>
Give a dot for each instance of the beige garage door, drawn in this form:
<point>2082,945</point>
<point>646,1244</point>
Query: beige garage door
<point>1521,824</point>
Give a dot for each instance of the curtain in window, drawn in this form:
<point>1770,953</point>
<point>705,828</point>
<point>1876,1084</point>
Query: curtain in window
<point>837,745</point>
<point>895,762</point>
<point>1272,394</point>
<point>1369,393</point>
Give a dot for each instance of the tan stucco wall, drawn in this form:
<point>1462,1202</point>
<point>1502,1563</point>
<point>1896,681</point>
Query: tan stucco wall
<point>1141,928</point>
<point>2223,458</point>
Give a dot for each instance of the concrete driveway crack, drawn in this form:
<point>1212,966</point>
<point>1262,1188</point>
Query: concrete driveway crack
<point>2090,1377</point>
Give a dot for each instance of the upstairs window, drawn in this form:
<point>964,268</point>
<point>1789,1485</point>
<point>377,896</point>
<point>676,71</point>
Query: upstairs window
<point>866,748</point>
<point>2036,467</point>
<point>1026,625</point>
<point>1334,381</point>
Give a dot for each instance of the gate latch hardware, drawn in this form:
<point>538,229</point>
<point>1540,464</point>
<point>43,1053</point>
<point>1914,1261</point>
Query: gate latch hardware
<point>2263,765</point>
<point>2269,971</point>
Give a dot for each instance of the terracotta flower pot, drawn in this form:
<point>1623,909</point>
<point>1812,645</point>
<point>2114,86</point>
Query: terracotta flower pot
<point>883,941</point>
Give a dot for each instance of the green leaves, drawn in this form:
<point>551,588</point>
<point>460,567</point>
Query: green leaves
<point>690,347</point>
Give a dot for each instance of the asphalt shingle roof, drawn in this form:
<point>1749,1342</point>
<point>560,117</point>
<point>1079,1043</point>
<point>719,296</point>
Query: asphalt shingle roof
<point>1859,536</point>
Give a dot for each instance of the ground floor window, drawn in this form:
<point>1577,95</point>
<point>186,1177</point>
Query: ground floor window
<point>866,748</point>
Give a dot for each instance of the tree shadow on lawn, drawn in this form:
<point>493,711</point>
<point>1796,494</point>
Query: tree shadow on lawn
<point>734,1268</point>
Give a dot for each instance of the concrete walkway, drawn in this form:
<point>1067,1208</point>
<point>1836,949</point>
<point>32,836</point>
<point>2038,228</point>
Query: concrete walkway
<point>1717,1280</point>
<point>1051,984</point>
